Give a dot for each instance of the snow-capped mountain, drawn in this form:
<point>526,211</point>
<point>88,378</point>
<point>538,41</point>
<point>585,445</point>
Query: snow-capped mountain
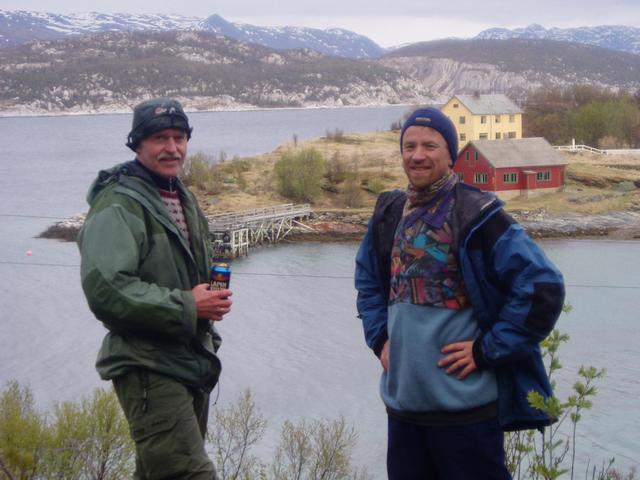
<point>333,41</point>
<point>21,26</point>
<point>613,37</point>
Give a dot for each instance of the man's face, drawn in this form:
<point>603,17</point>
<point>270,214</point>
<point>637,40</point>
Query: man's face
<point>164,152</point>
<point>425,156</point>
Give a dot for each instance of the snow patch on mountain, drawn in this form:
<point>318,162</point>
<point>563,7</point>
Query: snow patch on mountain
<point>613,37</point>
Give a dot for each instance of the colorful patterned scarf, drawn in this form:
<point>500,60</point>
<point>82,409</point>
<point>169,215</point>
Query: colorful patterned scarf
<point>430,204</point>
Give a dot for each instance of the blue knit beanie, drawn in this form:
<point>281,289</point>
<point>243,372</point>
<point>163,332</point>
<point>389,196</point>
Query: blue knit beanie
<point>434,118</point>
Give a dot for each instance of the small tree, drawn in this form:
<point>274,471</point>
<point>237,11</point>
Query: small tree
<point>24,437</point>
<point>199,172</point>
<point>590,123</point>
<point>314,450</point>
<point>544,457</point>
<point>309,450</point>
<point>336,169</point>
<point>352,194</point>
<point>109,453</point>
<point>90,440</point>
<point>234,431</point>
<point>625,123</point>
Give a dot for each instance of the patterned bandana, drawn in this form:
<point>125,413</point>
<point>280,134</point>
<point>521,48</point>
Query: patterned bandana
<point>430,204</point>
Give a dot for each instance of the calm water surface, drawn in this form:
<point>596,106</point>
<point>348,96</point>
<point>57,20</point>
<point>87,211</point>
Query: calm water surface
<point>293,337</point>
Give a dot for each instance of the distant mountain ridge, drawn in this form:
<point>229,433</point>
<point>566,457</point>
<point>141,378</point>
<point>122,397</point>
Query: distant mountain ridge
<point>17,27</point>
<point>613,37</point>
<point>108,72</point>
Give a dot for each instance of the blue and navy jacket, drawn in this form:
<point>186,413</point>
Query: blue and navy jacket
<point>516,293</point>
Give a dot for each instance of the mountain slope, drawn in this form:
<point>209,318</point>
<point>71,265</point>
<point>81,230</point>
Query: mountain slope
<point>18,27</point>
<point>111,71</point>
<point>613,37</point>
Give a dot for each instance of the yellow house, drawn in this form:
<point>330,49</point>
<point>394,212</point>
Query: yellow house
<point>484,117</point>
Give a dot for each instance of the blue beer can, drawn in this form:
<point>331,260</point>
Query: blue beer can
<point>220,276</point>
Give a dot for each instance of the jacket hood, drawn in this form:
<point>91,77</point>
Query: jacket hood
<point>132,168</point>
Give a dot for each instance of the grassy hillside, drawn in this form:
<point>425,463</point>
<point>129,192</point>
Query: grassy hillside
<point>372,162</point>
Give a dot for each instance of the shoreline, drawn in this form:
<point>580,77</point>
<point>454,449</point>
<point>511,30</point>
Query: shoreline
<point>333,227</point>
<point>238,108</point>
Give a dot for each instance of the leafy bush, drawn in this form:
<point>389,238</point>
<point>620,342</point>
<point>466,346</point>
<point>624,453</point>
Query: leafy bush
<point>352,194</point>
<point>336,169</point>
<point>197,171</point>
<point>299,174</point>
<point>84,440</point>
<point>375,185</point>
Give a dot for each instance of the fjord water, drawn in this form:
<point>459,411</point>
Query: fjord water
<point>293,337</point>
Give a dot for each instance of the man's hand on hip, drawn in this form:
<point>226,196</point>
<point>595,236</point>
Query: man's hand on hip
<point>211,304</point>
<point>459,358</point>
<point>384,356</point>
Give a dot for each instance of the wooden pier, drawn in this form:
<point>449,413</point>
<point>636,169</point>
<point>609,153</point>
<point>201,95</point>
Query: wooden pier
<point>233,233</point>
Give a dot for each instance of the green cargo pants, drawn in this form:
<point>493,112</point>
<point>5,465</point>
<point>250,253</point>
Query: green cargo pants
<point>168,423</point>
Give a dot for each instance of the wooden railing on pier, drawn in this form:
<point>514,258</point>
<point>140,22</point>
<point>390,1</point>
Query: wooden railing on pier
<point>233,233</point>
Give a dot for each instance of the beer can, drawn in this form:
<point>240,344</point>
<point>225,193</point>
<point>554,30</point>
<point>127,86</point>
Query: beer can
<point>220,276</point>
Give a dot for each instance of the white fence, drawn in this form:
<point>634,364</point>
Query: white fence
<point>586,148</point>
<point>578,148</point>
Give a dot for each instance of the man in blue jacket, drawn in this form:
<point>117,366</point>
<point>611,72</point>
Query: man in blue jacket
<point>454,299</point>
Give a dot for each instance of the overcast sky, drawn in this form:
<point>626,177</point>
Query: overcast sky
<point>387,22</point>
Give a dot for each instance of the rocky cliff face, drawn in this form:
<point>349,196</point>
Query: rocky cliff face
<point>111,71</point>
<point>445,77</point>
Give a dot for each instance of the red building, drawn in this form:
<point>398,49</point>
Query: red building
<point>511,167</point>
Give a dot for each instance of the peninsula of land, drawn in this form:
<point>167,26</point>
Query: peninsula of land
<point>600,198</point>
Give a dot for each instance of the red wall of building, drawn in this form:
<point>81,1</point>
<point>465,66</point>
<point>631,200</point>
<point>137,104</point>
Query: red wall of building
<point>472,166</point>
<point>495,176</point>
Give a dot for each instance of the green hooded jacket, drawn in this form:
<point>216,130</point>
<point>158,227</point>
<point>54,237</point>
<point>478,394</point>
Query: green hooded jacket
<point>137,273</point>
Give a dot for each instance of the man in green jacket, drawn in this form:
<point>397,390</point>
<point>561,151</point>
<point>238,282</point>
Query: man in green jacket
<point>145,272</point>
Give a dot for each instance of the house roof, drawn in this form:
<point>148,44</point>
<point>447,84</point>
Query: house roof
<point>518,152</point>
<point>488,104</point>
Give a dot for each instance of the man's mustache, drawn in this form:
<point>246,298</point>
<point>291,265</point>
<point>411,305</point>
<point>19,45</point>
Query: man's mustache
<point>169,156</point>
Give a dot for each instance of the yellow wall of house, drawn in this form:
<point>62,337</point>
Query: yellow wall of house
<point>475,128</point>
